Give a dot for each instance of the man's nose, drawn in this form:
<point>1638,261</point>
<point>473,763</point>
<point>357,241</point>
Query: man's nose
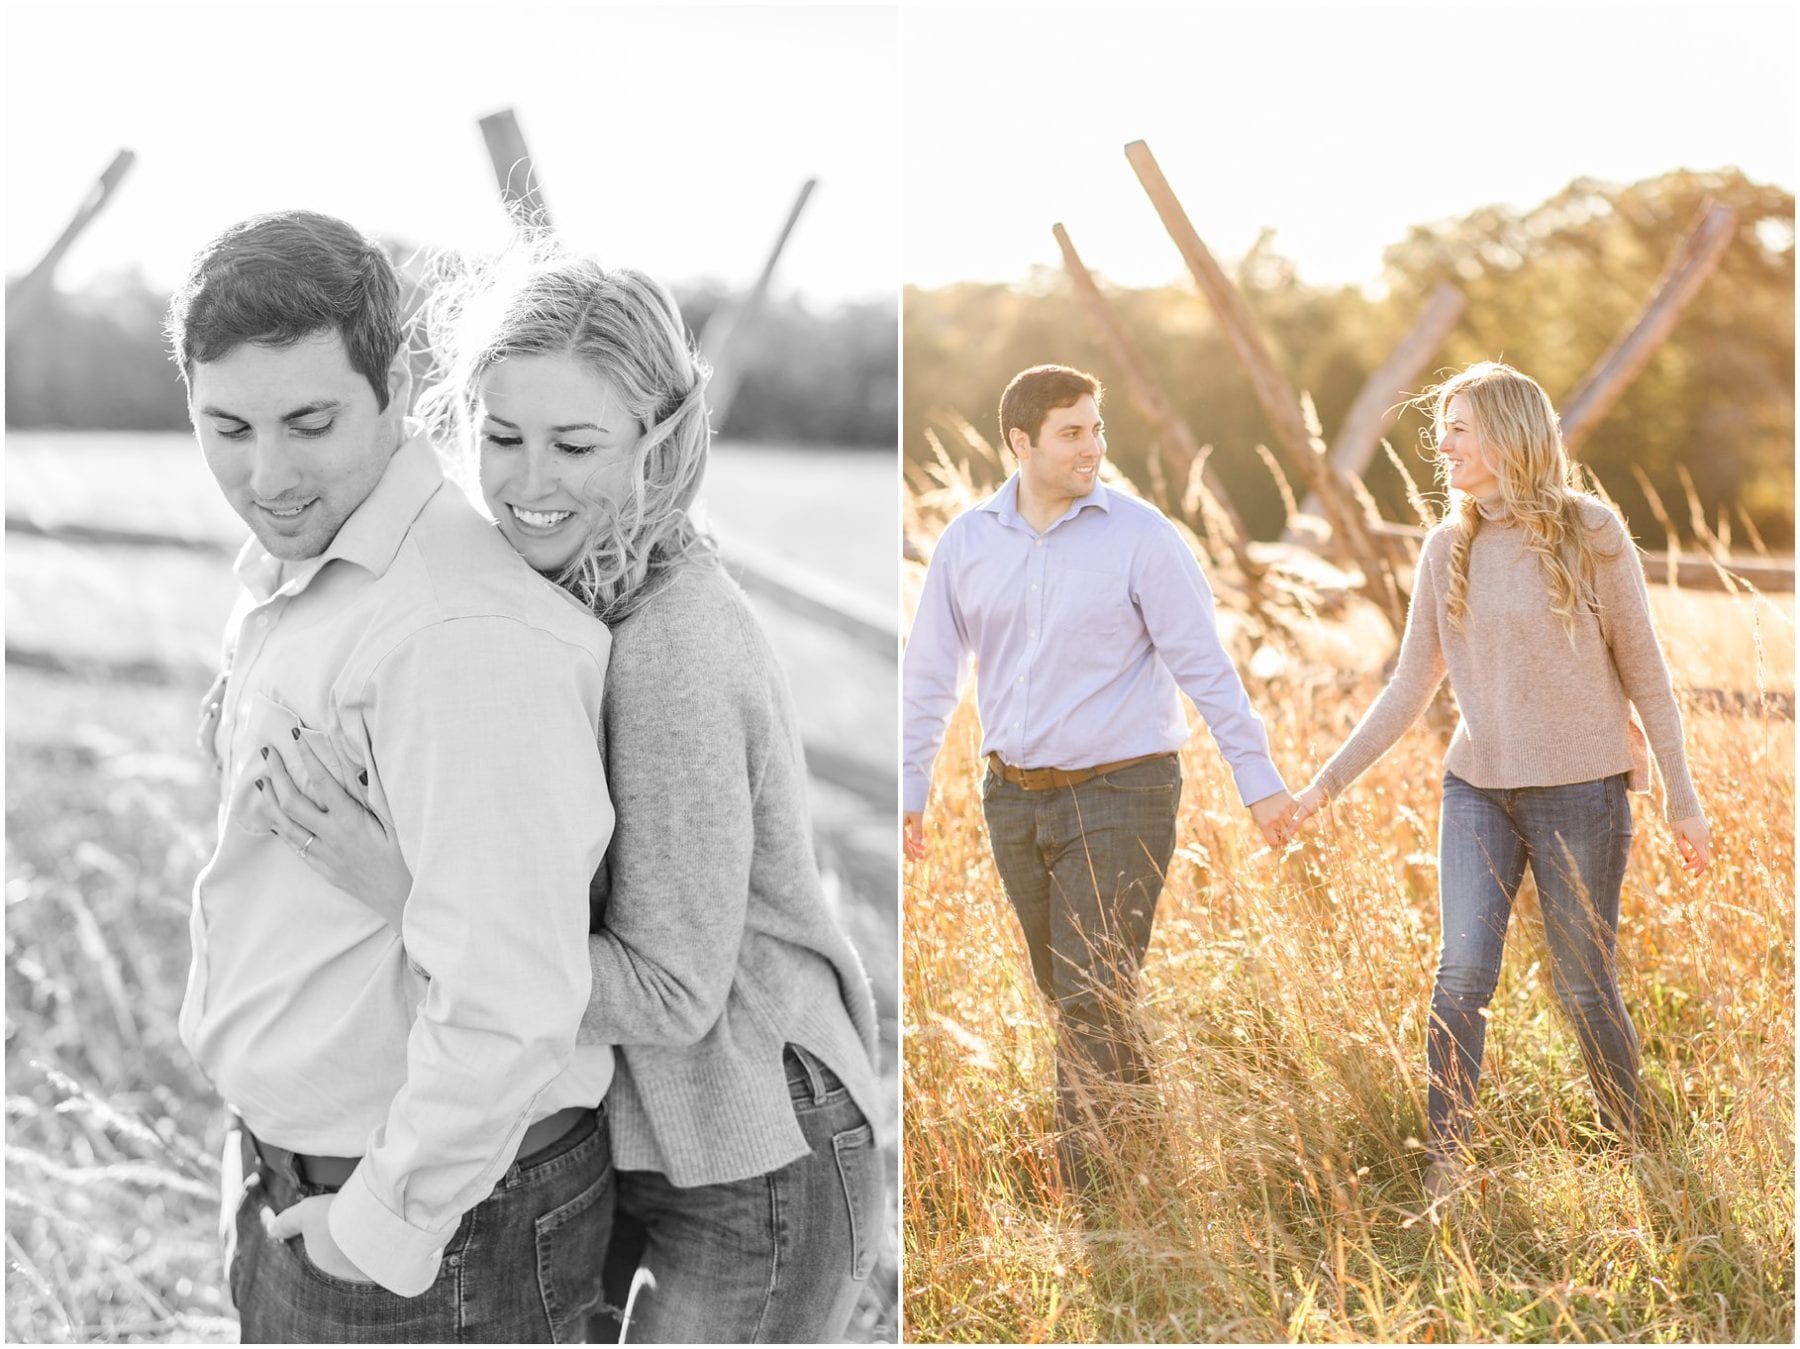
<point>272,470</point>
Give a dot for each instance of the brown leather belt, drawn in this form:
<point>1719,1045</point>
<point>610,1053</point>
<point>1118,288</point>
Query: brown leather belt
<point>334,1171</point>
<point>1043,779</point>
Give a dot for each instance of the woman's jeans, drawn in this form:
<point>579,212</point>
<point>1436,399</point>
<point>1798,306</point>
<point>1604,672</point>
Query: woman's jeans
<point>1576,839</point>
<point>775,1259</point>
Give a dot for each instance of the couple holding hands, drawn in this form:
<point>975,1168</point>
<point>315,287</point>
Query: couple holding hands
<point>1087,616</point>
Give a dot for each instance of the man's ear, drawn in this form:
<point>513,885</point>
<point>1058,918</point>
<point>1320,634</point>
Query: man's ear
<point>1019,443</point>
<point>399,383</point>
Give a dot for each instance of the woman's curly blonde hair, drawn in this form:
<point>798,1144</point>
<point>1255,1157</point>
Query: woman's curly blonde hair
<point>536,299</point>
<point>1520,439</point>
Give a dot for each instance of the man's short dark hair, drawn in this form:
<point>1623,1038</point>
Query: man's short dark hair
<point>1033,393</point>
<point>277,279</point>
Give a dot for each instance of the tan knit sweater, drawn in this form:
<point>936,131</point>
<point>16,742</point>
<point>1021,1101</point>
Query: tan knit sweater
<point>718,948</point>
<point>1538,709</point>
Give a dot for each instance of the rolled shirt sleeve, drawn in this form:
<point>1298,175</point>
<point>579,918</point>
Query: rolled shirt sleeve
<point>1176,602</point>
<point>485,728</point>
<point>933,670</point>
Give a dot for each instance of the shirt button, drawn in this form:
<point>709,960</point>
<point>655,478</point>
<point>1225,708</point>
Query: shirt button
<point>1034,585</point>
<point>262,620</point>
<point>1040,543</point>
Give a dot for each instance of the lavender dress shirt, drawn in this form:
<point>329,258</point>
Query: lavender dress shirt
<point>1083,635</point>
<point>421,649</point>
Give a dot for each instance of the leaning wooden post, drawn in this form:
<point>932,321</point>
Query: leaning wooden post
<point>1692,262</point>
<point>514,169</point>
<point>1172,431</point>
<point>1280,403</point>
<point>722,339</point>
<point>26,296</point>
<point>1384,392</point>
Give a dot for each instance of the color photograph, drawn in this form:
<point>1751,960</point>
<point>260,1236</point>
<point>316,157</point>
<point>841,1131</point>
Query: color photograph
<point>452,884</point>
<point>1348,697</point>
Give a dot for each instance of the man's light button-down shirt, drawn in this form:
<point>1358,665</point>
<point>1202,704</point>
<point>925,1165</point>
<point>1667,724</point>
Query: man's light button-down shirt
<point>421,649</point>
<point>1126,622</point>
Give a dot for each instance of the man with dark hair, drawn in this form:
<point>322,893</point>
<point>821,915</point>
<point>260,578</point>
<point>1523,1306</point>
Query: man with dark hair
<point>418,1124</point>
<point>1085,613</point>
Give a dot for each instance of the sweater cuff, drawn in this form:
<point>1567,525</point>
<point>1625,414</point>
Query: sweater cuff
<point>400,1257</point>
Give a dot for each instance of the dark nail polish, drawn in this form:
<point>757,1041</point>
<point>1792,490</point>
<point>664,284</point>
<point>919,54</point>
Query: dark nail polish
<point>259,784</point>
<point>265,751</point>
<point>295,732</point>
<point>363,777</point>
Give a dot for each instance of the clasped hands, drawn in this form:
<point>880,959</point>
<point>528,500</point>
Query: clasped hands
<point>1283,815</point>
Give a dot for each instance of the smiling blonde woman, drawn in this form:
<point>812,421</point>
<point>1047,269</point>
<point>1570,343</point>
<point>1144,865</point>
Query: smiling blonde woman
<point>1531,598</point>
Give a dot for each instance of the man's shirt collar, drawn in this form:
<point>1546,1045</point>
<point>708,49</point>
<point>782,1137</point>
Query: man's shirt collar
<point>370,537</point>
<point>1005,504</point>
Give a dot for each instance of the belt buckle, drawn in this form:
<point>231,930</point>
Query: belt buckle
<point>1037,779</point>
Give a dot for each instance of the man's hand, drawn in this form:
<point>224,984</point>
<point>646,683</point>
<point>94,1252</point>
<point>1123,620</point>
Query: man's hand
<point>1693,840</point>
<point>308,1221</point>
<point>1273,815</point>
<point>913,835</point>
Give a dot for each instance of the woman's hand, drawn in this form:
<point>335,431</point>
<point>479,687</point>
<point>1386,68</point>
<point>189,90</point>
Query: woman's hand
<point>1693,840</point>
<point>334,834</point>
<point>210,704</point>
<point>1308,804</point>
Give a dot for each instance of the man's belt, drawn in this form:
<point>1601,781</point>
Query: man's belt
<point>1044,779</point>
<point>332,1172</point>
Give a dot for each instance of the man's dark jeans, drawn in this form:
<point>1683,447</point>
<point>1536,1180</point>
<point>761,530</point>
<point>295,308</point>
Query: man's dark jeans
<point>1083,867</point>
<point>523,1266</point>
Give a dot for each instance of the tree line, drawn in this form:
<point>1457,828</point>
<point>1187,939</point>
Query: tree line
<point>1548,291</point>
<point>96,360</point>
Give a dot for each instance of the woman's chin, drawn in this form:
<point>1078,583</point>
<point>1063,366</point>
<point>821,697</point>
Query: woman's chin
<point>547,556</point>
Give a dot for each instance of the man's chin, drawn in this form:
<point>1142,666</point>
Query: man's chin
<point>292,547</point>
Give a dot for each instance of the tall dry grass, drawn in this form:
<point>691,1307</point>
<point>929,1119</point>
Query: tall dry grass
<point>1272,1190</point>
<point>112,1137</point>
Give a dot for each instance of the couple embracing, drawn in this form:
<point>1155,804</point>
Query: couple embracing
<point>514,882</point>
<point>1086,613</point>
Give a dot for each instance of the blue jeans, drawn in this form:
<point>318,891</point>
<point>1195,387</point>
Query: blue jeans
<point>775,1259</point>
<point>523,1265</point>
<point>1576,839</point>
<point>1083,867</point>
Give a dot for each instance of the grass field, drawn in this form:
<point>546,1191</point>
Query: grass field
<point>1272,1190</point>
<point>112,1135</point>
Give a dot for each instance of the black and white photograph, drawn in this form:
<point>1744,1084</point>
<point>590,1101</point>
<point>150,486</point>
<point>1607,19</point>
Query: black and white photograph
<point>451,772</point>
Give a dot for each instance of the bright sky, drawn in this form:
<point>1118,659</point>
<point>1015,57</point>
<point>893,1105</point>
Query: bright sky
<point>1338,126</point>
<point>671,139</point>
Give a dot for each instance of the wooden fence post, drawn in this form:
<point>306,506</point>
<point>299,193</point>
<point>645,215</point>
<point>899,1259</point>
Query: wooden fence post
<point>1177,439</point>
<point>514,170</point>
<point>1692,262</point>
<point>1280,403</point>
<point>722,339</point>
<point>1377,405</point>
